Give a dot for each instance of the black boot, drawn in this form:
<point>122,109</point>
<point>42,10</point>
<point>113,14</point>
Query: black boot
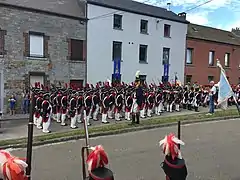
<point>133,119</point>
<point>184,106</point>
<point>138,118</point>
<point>196,109</point>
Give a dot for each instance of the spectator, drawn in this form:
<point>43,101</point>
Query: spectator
<point>212,95</point>
<point>12,100</point>
<point>26,101</point>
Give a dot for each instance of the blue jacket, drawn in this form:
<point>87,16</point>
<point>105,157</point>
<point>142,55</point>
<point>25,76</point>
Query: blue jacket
<point>139,95</point>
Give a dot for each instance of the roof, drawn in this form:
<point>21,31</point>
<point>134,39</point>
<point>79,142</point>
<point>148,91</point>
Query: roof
<point>212,34</point>
<point>64,7</point>
<point>139,8</point>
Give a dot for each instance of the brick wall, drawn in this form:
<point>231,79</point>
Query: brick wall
<point>17,66</point>
<point>200,70</point>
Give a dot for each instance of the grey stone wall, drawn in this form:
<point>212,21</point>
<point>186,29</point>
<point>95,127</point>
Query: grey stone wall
<point>16,66</point>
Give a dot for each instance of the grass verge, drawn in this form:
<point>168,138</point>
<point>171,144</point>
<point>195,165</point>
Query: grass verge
<point>118,128</point>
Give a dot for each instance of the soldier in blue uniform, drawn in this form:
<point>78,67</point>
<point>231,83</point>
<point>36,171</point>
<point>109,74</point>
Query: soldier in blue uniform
<point>138,100</point>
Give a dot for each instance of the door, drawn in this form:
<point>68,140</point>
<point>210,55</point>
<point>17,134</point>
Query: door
<point>34,79</point>
<point>76,84</point>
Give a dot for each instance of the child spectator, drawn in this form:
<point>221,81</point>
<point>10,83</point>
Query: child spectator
<point>12,102</point>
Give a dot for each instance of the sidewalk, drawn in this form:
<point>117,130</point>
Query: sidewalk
<point>8,117</point>
<point>18,127</point>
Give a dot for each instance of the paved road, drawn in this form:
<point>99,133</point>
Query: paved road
<point>211,153</point>
<point>18,128</point>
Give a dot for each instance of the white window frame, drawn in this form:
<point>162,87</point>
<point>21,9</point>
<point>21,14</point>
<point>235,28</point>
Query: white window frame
<point>211,58</point>
<point>36,45</point>
<point>189,60</point>
<point>227,59</point>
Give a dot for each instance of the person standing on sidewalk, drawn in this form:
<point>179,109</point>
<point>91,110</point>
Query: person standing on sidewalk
<point>12,102</point>
<point>212,95</point>
<point>26,102</point>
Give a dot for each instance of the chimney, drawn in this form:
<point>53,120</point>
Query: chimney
<point>183,15</point>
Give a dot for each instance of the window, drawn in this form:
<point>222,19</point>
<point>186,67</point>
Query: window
<point>143,53</point>
<point>2,41</point>
<point>189,59</point>
<point>36,43</point>
<point>211,58</point>
<point>144,26</point>
<point>227,59</point>
<point>117,21</point>
<point>210,78</point>
<point>76,50</point>
<point>167,29</point>
<point>76,83</point>
<point>188,78</point>
<point>166,52</point>
<point>117,50</point>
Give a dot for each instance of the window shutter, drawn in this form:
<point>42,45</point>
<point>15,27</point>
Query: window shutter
<point>84,50</point>
<point>69,49</point>
<point>26,44</point>
<point>46,39</point>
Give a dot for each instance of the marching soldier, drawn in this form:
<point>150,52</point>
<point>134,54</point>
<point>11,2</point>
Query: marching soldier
<point>105,107</point>
<point>118,106</point>
<point>129,103</point>
<point>64,104</point>
<point>46,113</point>
<point>197,99</point>
<point>80,107</point>
<point>59,105</point>
<point>138,100</point>
<point>95,108</point>
<point>150,102</point>
<point>38,109</point>
<point>158,101</point>
<point>73,111</point>
<point>191,98</point>
<point>87,107</point>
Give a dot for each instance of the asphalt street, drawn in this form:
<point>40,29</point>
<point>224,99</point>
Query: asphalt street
<point>211,153</point>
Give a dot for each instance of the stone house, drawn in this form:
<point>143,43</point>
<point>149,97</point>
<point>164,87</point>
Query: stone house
<point>43,41</point>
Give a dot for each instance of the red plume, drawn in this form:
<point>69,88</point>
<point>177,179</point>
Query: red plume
<point>42,86</point>
<point>66,85</point>
<point>39,84</point>
<point>170,146</point>
<point>97,158</point>
<point>36,84</point>
<point>12,167</point>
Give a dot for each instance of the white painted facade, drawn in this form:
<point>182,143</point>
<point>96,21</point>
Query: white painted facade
<point>100,41</point>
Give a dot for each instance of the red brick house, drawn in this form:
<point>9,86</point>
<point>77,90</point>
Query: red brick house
<point>204,46</point>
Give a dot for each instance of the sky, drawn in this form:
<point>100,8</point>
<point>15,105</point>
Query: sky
<point>222,14</point>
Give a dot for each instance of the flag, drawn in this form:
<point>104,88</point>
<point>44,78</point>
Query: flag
<point>225,91</point>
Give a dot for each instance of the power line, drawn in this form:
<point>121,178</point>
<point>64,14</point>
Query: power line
<point>114,12</point>
<point>117,11</point>
<point>198,6</point>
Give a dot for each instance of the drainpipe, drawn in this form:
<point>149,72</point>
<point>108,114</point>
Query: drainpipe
<point>86,41</point>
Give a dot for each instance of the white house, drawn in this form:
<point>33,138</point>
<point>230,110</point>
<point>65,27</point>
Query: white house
<point>144,37</point>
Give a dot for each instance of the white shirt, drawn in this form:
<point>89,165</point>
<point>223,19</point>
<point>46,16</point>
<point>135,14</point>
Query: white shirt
<point>213,90</point>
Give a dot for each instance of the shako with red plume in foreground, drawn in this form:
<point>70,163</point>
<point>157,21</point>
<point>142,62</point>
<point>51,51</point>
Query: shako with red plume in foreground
<point>11,167</point>
<point>97,160</point>
<point>174,165</point>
